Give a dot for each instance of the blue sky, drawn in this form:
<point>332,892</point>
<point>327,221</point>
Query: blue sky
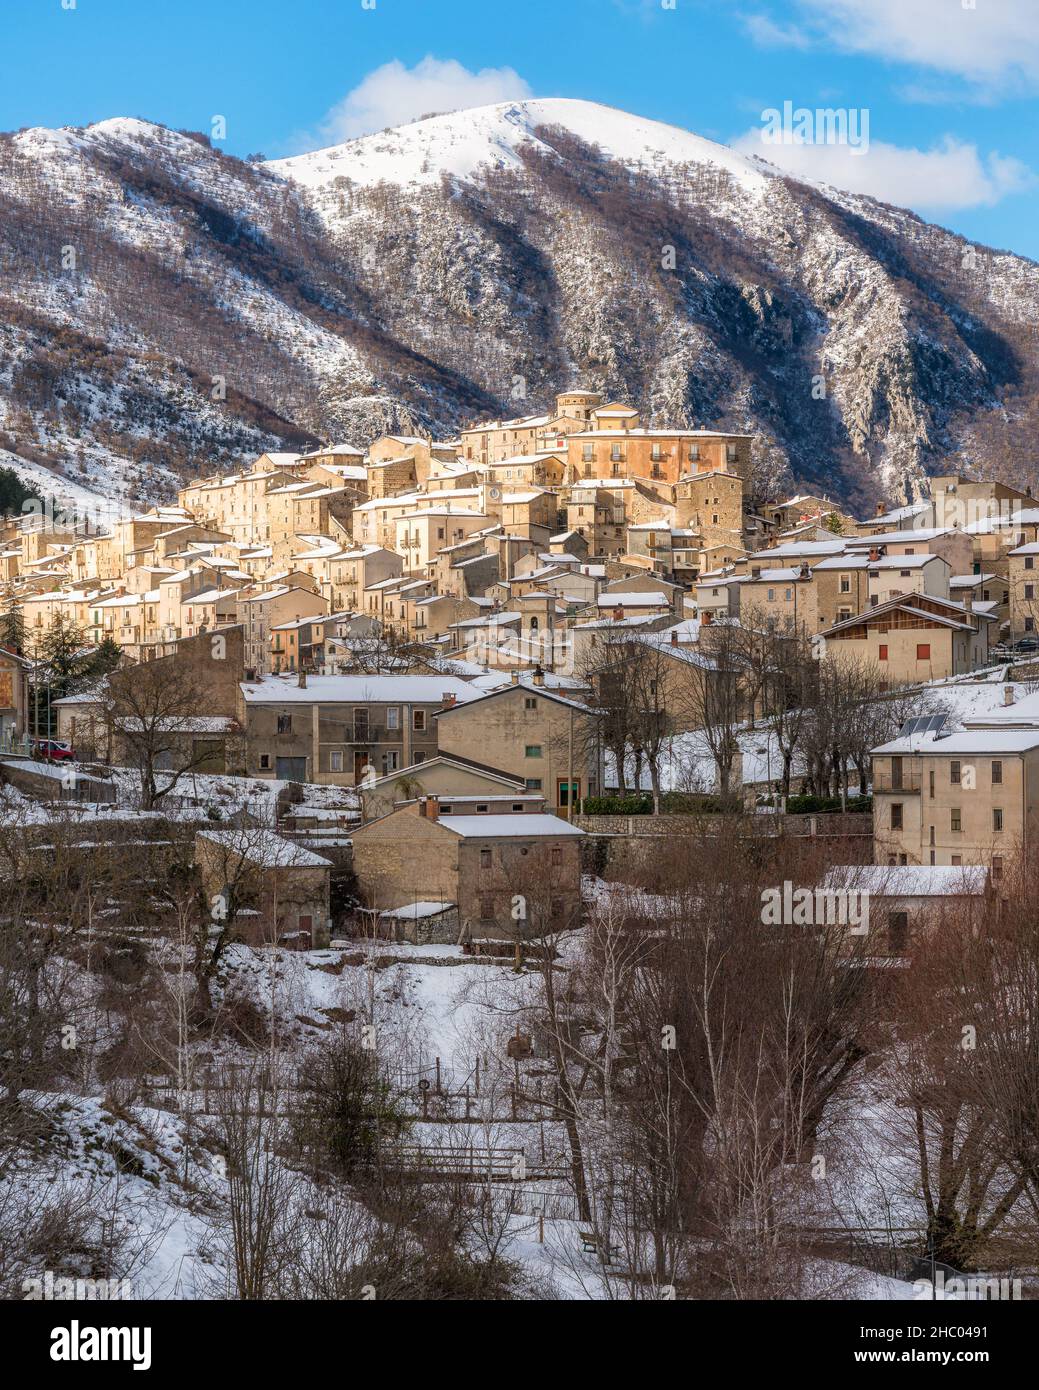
<point>950,86</point>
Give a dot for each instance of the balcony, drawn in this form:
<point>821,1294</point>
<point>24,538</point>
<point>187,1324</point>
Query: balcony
<point>906,782</point>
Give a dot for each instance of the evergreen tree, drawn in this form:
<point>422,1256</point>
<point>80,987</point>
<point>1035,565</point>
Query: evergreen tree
<point>65,656</point>
<point>12,619</point>
<point>103,659</point>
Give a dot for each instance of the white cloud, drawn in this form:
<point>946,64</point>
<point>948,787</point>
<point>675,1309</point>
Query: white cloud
<point>768,34</point>
<point>986,43</point>
<point>952,175</point>
<point>393,94</point>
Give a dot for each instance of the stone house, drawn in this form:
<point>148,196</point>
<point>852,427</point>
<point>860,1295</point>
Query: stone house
<point>547,740</point>
<point>968,797</point>
<point>341,729</point>
<point>275,891</point>
<point>449,777</point>
<point>915,637</point>
<point>509,876</point>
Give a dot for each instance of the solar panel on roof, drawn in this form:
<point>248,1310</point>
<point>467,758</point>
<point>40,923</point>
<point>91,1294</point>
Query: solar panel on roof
<point>922,724</point>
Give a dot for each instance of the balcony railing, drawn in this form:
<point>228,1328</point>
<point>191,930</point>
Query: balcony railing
<point>909,781</point>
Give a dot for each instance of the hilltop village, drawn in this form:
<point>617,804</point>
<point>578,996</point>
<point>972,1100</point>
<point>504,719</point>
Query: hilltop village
<point>547,618</point>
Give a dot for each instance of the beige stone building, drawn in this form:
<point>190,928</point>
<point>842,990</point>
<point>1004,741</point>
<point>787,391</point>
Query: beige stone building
<point>341,729</point>
<point>273,890</point>
<point>509,875</point>
<point>260,612</point>
<point>912,638</point>
<point>786,599</point>
<point>660,454</point>
<point>14,695</point>
<point>969,797</point>
<point>547,740</point>
<point>453,780</point>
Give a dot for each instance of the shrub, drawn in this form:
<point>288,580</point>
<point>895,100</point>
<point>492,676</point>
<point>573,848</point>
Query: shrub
<point>823,805</point>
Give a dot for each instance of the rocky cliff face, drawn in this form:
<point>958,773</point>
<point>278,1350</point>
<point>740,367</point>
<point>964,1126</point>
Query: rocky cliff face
<point>168,309</point>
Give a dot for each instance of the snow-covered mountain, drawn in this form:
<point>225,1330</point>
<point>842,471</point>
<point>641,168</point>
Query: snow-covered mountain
<point>167,308</point>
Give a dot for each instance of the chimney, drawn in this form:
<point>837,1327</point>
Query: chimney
<point>705,618</point>
<point>448,699</point>
<point>968,600</point>
<point>1008,695</point>
<point>806,570</point>
<point>618,615</point>
<point>874,554</point>
<point>515,678</point>
<point>880,509</point>
<point>674,637</point>
<point>302,679</point>
<point>539,676</point>
<point>430,807</point>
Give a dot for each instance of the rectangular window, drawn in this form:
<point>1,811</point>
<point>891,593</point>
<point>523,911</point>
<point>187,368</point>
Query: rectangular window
<point>897,932</point>
<point>997,773</point>
<point>997,818</point>
<point>997,866</point>
<point>485,859</point>
<point>418,720</point>
<point>586,453</point>
<point>954,774</point>
<point>265,760</point>
<point>845,583</point>
<point>1029,591</point>
<point>896,816</point>
<point>883,651</point>
<point>487,909</point>
<point>530,702</point>
<point>954,819</point>
<point>284,723</point>
<point>923,651</point>
<point>930,778</point>
<point>557,856</point>
<point>533,750</point>
<point>335,762</point>
<point>393,719</point>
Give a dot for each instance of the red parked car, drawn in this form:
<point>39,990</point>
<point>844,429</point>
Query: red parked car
<point>50,750</point>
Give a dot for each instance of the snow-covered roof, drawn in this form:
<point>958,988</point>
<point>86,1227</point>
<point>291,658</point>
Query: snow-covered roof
<point>409,912</point>
<point>972,740</point>
<point>359,690</point>
<point>905,562</point>
<point>909,880</point>
<point>634,599</point>
<point>797,548</point>
<point>918,533</point>
<point>265,848</point>
<point>522,825</point>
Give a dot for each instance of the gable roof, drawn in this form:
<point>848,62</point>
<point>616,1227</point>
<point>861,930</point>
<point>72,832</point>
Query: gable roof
<point>528,688</point>
<point>456,760</point>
